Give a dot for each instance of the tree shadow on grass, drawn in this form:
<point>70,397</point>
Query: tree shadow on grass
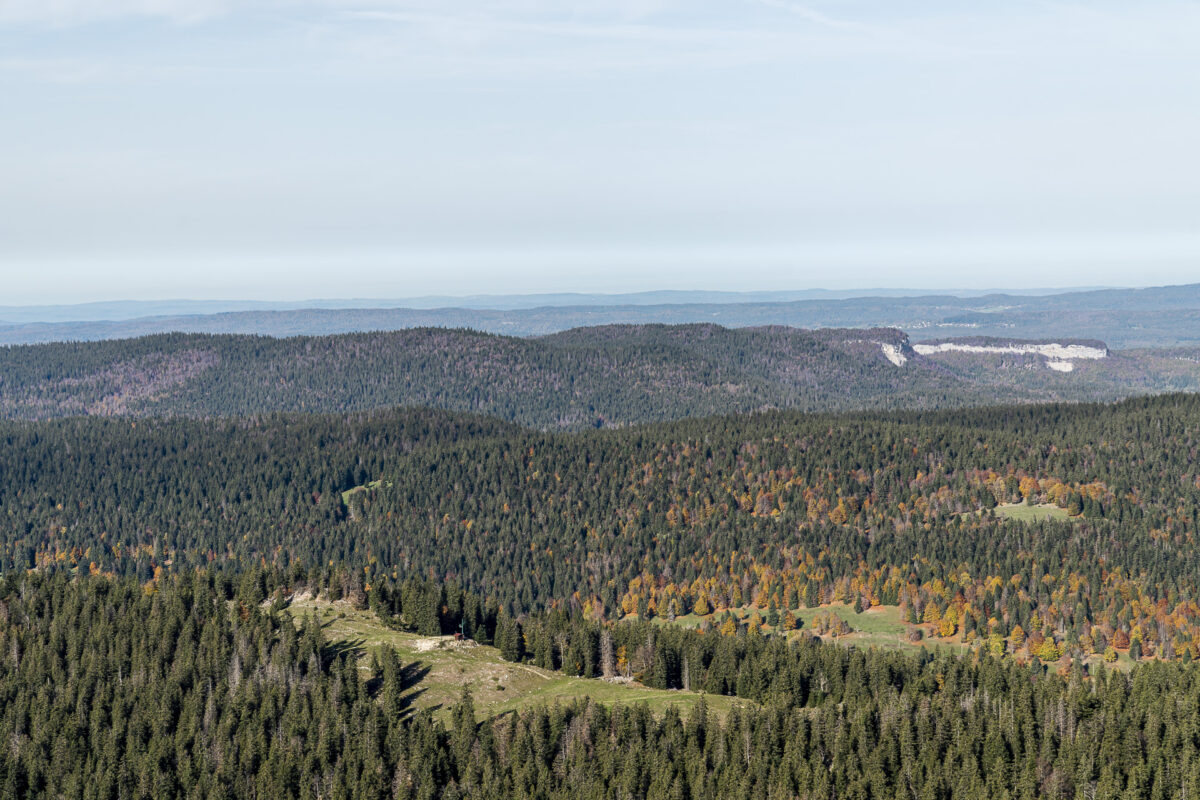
<point>343,648</point>
<point>411,675</point>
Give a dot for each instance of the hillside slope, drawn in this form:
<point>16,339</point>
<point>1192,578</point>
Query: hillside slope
<point>441,667</point>
<point>582,378</point>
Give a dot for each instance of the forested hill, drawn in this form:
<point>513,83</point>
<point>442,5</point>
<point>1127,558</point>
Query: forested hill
<point>777,510</point>
<point>583,378</point>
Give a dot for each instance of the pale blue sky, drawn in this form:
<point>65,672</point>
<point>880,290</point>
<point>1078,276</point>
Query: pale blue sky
<point>277,149</point>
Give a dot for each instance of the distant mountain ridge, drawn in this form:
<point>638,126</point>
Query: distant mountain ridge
<point>581,378</point>
<point>120,310</point>
<point>1123,318</point>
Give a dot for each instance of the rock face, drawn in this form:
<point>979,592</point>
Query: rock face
<point>1058,352</point>
<point>894,353</point>
<point>1059,357</point>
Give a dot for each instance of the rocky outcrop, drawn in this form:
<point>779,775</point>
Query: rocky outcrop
<point>1059,357</point>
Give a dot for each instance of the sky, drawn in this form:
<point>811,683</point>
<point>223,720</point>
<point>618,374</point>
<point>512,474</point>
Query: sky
<point>287,149</point>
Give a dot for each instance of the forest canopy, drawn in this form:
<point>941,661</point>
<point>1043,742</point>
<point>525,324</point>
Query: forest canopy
<point>1036,562</point>
<point>599,377</point>
<point>779,510</point>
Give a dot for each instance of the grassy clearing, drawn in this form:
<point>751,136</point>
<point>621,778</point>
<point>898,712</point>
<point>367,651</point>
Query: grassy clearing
<point>366,487</point>
<point>880,626</point>
<point>438,668</point>
<point>1027,513</point>
<point>879,621</point>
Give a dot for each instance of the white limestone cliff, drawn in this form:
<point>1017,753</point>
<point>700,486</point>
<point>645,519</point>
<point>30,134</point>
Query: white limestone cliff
<point>1059,357</point>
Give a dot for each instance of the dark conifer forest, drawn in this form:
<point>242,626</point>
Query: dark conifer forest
<point>578,379</point>
<point>997,601</point>
<point>192,690</point>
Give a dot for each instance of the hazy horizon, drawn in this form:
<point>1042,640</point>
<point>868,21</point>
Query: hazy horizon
<point>661,295</point>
